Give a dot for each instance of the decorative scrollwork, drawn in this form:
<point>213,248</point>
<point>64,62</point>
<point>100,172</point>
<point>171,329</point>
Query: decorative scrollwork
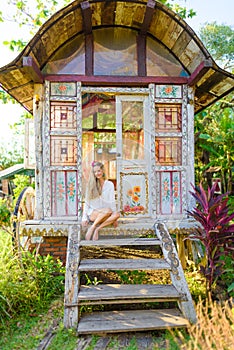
<point>169,249</point>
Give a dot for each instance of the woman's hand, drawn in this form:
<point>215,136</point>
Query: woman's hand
<point>84,223</point>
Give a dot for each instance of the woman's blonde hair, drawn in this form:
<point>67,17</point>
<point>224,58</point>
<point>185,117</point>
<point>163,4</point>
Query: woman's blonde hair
<point>94,189</point>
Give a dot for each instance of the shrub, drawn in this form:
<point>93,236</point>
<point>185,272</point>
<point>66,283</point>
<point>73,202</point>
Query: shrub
<point>5,213</point>
<point>215,231</point>
<point>27,284</point>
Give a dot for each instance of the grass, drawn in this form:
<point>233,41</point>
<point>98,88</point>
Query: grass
<point>215,328</point>
<point>214,331</point>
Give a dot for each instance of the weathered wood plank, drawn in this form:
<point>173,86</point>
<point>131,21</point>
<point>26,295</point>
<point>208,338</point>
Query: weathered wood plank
<point>122,242</point>
<point>176,272</point>
<point>120,292</point>
<point>72,280</point>
<point>130,321</point>
<point>123,264</point>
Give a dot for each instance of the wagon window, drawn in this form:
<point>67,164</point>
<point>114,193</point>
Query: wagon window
<point>160,62</point>
<point>70,59</point>
<point>115,52</point>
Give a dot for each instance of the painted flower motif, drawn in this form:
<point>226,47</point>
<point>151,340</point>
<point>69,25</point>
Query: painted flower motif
<point>166,190</point>
<point>126,208</point>
<point>137,189</point>
<point>133,201</point>
<point>62,88</point>
<point>130,193</point>
<point>176,189</point>
<point>60,190</point>
<point>168,89</point>
<point>71,189</point>
<point>135,198</point>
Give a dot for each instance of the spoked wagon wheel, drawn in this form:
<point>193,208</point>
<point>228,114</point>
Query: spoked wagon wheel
<point>24,210</point>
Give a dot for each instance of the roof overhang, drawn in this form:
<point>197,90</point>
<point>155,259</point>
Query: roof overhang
<point>147,17</point>
<point>17,169</point>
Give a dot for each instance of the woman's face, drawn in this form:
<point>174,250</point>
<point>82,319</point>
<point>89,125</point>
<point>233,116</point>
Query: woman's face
<point>98,172</point>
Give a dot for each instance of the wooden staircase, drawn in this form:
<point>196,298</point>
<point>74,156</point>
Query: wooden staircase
<point>140,315</point>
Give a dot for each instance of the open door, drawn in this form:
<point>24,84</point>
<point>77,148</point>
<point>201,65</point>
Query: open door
<point>132,155</point>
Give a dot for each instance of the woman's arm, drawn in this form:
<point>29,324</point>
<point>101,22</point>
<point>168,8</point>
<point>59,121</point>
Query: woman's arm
<point>108,195</point>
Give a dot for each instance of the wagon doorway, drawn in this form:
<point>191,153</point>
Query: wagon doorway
<point>114,132</point>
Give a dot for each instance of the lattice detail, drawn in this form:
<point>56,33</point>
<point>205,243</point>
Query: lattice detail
<point>63,116</point>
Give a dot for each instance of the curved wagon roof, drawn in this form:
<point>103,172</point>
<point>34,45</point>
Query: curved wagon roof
<point>148,18</point>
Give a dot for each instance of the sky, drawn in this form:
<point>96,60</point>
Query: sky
<point>221,11</point>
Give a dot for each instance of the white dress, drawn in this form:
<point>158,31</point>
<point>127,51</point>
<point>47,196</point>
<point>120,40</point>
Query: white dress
<point>105,200</point>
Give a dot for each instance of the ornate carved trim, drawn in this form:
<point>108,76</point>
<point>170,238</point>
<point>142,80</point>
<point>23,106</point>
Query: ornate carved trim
<point>168,247</point>
<point>114,90</point>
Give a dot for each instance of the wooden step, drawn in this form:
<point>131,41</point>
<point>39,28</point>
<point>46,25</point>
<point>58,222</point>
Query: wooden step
<point>127,293</point>
<point>130,321</point>
<point>123,264</point>
<point>122,242</point>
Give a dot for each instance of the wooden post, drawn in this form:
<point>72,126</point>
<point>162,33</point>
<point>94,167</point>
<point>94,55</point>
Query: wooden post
<point>72,280</point>
<point>38,117</point>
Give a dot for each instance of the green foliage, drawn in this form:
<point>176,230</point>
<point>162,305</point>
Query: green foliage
<point>5,213</point>
<point>64,339</point>
<point>219,40</point>
<point>132,277</point>
<point>214,127</point>
<point>182,11</point>
<point>214,133</point>
<point>94,281</point>
<point>196,283</point>
<point>26,331</point>
<point>29,283</point>
<point>5,97</point>
<point>227,276</point>
<point>20,182</point>
<point>14,154</point>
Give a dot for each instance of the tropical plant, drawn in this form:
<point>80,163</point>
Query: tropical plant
<point>215,231</point>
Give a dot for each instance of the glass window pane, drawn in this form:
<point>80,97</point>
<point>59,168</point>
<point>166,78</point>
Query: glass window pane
<point>63,150</point>
<point>160,62</point>
<point>69,59</point>
<point>63,115</point>
<point>168,150</point>
<point>98,112</point>
<point>168,118</point>
<point>133,130</point>
<point>115,52</point>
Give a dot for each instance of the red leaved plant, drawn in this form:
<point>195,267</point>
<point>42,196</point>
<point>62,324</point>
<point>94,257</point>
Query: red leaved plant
<point>215,231</point>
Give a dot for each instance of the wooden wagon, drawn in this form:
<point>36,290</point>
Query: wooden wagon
<point>120,82</point>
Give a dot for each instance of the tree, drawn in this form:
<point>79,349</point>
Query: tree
<point>219,40</point>
<point>214,127</point>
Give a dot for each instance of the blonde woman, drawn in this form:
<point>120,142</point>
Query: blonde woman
<point>100,206</point>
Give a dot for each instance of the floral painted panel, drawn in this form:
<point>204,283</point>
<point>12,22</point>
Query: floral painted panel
<point>170,182</point>
<point>168,91</point>
<point>63,89</point>
<point>134,193</point>
<point>64,196</point>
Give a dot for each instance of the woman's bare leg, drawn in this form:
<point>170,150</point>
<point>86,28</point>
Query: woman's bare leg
<point>110,220</point>
<point>97,217</point>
